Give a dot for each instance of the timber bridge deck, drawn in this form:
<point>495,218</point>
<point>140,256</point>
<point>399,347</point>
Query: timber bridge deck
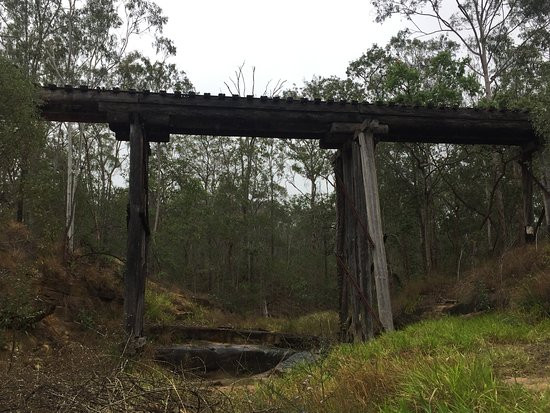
<point>332,122</point>
<point>351,127</point>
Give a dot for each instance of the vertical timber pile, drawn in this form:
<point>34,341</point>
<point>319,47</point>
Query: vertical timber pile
<point>527,191</point>
<point>138,232</point>
<point>352,322</point>
<point>343,283</point>
<point>363,244</point>
<point>365,138</point>
<point>352,248</point>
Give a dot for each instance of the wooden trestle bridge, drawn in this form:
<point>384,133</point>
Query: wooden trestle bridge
<point>353,128</point>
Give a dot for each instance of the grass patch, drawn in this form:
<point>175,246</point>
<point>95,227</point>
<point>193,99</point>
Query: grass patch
<point>159,307</point>
<point>323,324</point>
<point>448,365</point>
<point>458,384</point>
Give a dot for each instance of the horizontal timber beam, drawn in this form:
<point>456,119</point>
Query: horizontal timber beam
<point>331,122</point>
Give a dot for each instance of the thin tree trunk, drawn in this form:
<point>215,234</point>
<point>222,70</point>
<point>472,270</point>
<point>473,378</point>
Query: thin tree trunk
<point>21,195</point>
<point>545,194</point>
<point>70,207</point>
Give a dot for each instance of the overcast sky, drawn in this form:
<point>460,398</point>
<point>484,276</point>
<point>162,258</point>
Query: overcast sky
<point>291,40</point>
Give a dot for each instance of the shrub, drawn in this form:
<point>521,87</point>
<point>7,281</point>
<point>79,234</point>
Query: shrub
<point>17,308</point>
<point>86,318</point>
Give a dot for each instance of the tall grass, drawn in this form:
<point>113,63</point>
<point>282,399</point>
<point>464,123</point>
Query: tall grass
<point>159,308</point>
<point>448,365</point>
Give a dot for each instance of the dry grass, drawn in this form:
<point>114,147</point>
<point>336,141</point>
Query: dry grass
<point>519,278</point>
<point>418,295</point>
<point>84,379</point>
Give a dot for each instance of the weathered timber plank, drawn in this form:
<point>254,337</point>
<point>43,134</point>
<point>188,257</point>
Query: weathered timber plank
<point>374,223</point>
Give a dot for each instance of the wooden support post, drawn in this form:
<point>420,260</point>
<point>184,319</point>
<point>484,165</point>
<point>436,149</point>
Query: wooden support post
<point>364,250</point>
<point>353,250</point>
<point>350,250</point>
<point>340,245</point>
<point>527,191</point>
<point>374,224</point>
<point>138,233</point>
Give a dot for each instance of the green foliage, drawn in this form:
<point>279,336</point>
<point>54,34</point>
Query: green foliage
<point>241,237</point>
<point>21,137</point>
<point>411,71</point>
<point>136,71</point>
<point>328,88</point>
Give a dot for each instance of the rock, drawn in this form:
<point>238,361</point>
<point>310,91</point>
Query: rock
<point>293,360</point>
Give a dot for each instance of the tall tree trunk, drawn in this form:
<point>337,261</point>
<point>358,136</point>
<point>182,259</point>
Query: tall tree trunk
<point>70,193</point>
<point>95,209</point>
<point>502,230</point>
<point>22,188</point>
<point>501,235</point>
<point>489,223</point>
<point>546,183</point>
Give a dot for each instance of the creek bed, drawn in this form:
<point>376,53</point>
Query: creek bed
<point>232,359</point>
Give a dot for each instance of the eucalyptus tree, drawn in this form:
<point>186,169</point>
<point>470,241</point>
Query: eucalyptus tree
<point>77,41</point>
<point>526,85</point>
<point>21,138</point>
<point>483,28</point>
<point>258,169</point>
<point>414,72</point>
